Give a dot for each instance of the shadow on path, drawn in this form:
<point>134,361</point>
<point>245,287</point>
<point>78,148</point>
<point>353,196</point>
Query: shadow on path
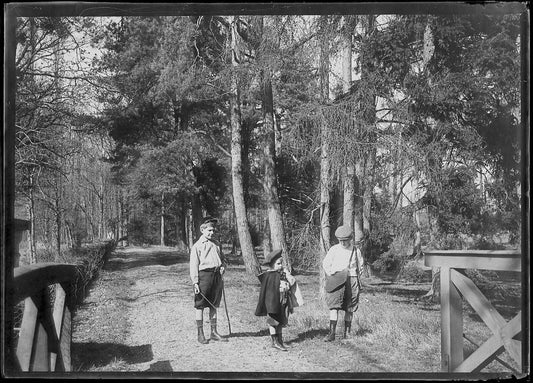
<point>125,261</point>
<point>310,334</point>
<point>160,366</point>
<point>102,354</point>
<point>249,334</point>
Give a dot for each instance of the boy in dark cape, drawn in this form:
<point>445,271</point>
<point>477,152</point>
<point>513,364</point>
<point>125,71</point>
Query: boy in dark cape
<point>275,297</point>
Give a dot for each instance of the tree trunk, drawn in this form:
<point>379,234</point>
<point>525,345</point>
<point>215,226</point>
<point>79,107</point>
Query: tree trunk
<point>393,181</point>
<point>365,163</point>
<point>190,229</point>
<point>101,225</point>
<point>348,207</point>
<point>267,244</point>
<point>123,213</point>
<point>245,239</point>
<point>181,226</point>
<point>162,242</point>
<point>325,231</point>
<point>417,246</point>
<point>233,225</point>
<point>57,212</point>
<point>358,200</point>
<point>196,217</point>
<point>369,186</point>
<point>270,183</point>
<point>352,211</point>
<point>270,186</point>
<point>31,209</point>
<point>325,177</point>
<point>117,214</point>
<point>348,175</point>
<point>367,204</point>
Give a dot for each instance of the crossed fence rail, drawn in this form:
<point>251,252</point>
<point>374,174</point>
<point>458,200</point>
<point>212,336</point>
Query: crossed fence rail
<point>455,285</point>
<point>44,335</point>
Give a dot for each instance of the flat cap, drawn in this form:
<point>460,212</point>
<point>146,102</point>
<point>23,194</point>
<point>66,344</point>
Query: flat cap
<point>272,256</point>
<point>343,232</point>
<point>208,222</point>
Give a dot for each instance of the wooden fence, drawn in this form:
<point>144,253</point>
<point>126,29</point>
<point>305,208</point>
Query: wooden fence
<point>454,286</point>
<point>44,336</point>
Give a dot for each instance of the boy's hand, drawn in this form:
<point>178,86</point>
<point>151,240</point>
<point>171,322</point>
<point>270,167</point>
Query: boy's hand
<point>196,288</point>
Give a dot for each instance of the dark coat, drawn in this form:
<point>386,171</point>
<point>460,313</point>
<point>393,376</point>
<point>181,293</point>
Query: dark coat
<point>269,299</point>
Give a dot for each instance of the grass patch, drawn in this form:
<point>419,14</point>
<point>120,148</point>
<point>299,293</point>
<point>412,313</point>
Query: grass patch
<point>393,330</point>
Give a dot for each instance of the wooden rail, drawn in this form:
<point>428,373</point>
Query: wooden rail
<point>45,332</point>
<point>454,284</point>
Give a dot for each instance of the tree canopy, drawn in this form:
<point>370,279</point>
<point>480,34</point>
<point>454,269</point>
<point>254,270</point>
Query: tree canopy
<point>429,126</point>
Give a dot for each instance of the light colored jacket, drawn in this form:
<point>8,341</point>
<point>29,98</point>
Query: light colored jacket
<point>205,254</point>
<point>338,257</point>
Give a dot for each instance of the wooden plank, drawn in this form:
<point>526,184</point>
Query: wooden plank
<point>491,348</point>
<point>30,279</point>
<point>65,340</point>
<point>26,334</point>
<point>40,355</point>
<point>508,332</point>
<point>482,356</point>
<point>475,259</point>
<point>50,328</point>
<point>451,323</point>
<point>470,253</point>
<point>478,301</point>
<point>494,321</point>
<point>59,306</point>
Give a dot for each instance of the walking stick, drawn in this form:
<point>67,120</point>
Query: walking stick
<point>226,306</point>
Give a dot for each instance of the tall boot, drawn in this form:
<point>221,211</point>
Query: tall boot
<point>214,334</point>
<point>332,327</point>
<point>275,342</point>
<point>280,339</point>
<point>201,336</point>
<point>347,329</point>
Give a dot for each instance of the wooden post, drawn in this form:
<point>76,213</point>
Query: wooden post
<point>64,341</point>
<point>451,322</point>
<point>40,356</point>
<point>45,332</point>
<point>59,306</point>
<point>8,191</point>
<point>27,331</point>
<point>455,286</point>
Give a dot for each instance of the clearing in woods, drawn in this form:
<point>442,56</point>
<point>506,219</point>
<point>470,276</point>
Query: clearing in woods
<point>139,317</point>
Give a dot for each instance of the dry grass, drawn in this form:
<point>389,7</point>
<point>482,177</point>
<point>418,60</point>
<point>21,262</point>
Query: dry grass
<point>394,331</point>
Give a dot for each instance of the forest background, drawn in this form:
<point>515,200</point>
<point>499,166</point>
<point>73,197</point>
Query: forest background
<point>407,127</point>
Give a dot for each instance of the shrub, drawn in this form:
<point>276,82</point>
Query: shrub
<point>45,254</point>
<point>304,248</point>
<point>387,262</point>
<point>484,243</point>
<point>89,260</point>
<point>413,274</point>
<point>139,232</point>
<point>256,235</point>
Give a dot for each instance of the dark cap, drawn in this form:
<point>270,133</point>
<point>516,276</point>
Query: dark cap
<point>272,256</point>
<point>343,232</point>
<point>208,222</point>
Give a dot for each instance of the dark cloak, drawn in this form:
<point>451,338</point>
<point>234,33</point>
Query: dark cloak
<point>269,299</point>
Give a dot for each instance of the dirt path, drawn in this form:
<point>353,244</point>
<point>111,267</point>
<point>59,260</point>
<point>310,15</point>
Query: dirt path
<point>139,317</point>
